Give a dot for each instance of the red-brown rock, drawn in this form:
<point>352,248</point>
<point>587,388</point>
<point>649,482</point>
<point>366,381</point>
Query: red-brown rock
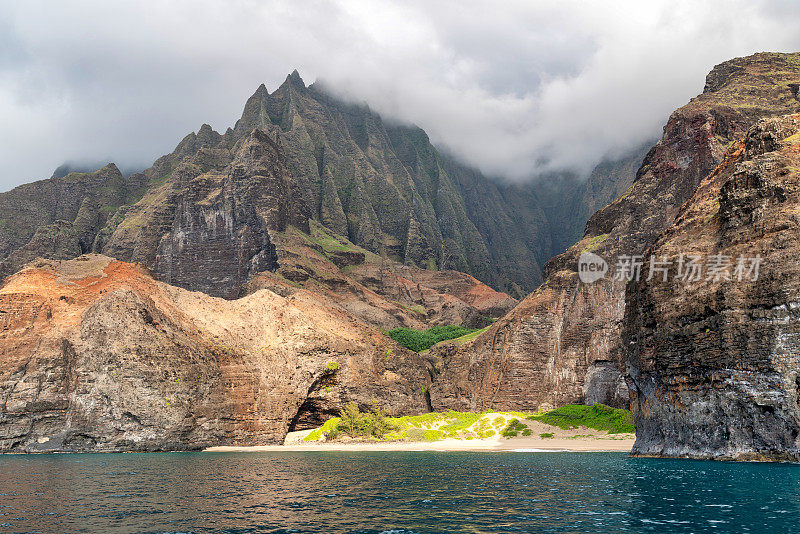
<point>98,356</point>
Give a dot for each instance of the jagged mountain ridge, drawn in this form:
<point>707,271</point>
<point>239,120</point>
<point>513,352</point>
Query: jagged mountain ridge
<point>382,186</point>
<point>218,212</point>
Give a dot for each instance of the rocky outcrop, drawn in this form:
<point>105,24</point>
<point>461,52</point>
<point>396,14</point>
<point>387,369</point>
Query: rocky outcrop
<point>423,287</point>
<point>375,289</point>
<point>212,224</point>
<point>98,356</point>
<point>60,217</point>
<point>713,362</point>
<point>562,343</point>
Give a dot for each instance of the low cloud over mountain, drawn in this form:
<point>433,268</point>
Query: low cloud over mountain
<point>515,88</point>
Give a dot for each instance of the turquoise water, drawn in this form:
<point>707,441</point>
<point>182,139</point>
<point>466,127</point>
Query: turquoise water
<point>399,492</point>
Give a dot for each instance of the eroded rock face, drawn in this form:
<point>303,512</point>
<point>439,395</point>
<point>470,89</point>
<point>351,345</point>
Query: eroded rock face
<point>97,356</point>
<point>377,290</point>
<point>212,224</point>
<point>715,363</point>
<point>60,217</point>
<point>542,351</point>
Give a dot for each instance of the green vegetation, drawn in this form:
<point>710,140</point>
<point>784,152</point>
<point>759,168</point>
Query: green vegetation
<point>350,420</point>
<point>419,309</point>
<point>329,242</point>
<point>595,242</point>
<point>332,366</point>
<point>461,340</point>
<point>419,340</point>
<point>459,421</point>
<point>513,429</point>
<point>422,434</point>
<point>472,335</point>
<point>376,425</point>
<point>598,417</point>
<point>792,139</point>
<point>357,424</point>
<point>329,429</point>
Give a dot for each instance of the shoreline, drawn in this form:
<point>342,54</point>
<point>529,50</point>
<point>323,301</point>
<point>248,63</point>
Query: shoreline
<point>519,444</point>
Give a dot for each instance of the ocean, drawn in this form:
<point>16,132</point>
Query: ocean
<point>393,492</point>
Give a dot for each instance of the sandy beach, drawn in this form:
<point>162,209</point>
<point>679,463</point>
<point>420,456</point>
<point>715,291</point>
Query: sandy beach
<point>574,440</point>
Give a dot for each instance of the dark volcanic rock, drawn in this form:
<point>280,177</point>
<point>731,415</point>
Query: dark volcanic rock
<point>60,217</point>
<point>543,351</point>
<point>212,225</point>
<point>714,362</point>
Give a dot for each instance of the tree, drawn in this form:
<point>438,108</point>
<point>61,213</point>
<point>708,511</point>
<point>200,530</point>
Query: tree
<point>351,420</point>
<point>377,422</point>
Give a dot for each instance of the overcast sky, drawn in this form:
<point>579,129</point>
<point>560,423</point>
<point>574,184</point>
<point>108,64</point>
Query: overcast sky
<point>513,87</point>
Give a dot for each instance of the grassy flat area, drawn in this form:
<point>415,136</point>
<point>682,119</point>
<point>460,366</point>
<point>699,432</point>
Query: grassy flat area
<point>460,340</point>
<point>467,425</point>
<point>469,337</point>
<point>598,417</point>
<point>421,340</point>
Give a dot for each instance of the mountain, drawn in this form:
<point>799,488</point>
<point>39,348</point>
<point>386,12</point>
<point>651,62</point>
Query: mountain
<point>241,286</point>
<point>60,217</point>
<point>88,167</point>
<point>98,356</point>
<point>568,201</point>
<point>388,190</point>
<point>562,344</point>
<point>713,362</point>
<point>381,186</point>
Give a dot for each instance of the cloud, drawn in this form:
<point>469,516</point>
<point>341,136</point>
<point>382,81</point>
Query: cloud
<point>515,87</point>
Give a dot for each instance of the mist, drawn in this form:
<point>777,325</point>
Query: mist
<point>516,88</point>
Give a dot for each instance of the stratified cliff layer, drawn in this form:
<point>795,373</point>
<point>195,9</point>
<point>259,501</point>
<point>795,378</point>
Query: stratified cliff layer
<point>97,356</point>
<point>715,362</point>
<point>562,343</point>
